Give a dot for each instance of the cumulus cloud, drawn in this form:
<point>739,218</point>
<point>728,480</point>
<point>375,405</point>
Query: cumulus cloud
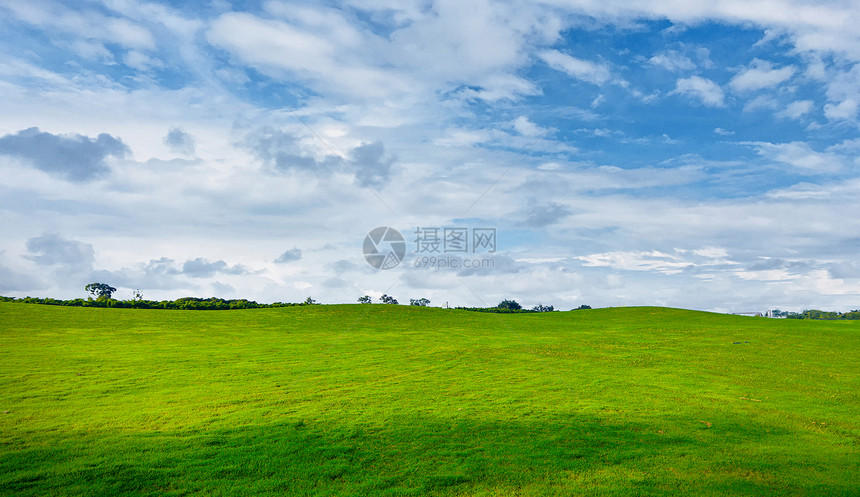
<point>167,274</point>
<point>524,126</point>
<point>844,110</point>
<point>283,150</point>
<point>291,255</point>
<point>539,215</point>
<point>73,157</point>
<point>53,249</point>
<point>164,265</point>
<point>203,268</point>
<point>761,102</point>
<point>179,142</point>
<point>280,149</point>
<point>62,261</point>
<point>156,274</point>
<point>761,74</point>
<point>843,92</point>
<point>800,156</point>
<point>796,109</point>
<point>701,88</point>
<point>370,164</point>
<point>672,61</point>
<point>590,72</point>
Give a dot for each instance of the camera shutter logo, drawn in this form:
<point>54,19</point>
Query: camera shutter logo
<point>384,247</point>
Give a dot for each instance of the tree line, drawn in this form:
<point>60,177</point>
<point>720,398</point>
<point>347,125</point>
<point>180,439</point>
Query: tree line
<point>101,295</point>
<point>817,314</point>
<point>184,303</point>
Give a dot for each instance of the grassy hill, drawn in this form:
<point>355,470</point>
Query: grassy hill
<point>398,400</point>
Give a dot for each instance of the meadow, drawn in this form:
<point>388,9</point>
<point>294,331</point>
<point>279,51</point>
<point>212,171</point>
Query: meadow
<point>398,400</point>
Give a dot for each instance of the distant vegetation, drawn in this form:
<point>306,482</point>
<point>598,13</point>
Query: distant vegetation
<point>512,305</point>
<point>103,298</point>
<point>509,307</point>
<point>99,290</point>
<point>816,314</point>
<point>184,303</point>
<point>388,299</point>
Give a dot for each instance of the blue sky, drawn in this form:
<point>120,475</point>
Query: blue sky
<point>691,154</point>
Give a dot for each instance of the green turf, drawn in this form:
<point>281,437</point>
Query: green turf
<point>397,400</point>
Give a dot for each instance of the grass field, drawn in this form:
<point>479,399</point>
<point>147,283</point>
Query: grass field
<point>399,400</point>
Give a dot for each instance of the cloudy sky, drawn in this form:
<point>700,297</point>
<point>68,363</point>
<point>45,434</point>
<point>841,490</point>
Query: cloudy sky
<point>657,152</point>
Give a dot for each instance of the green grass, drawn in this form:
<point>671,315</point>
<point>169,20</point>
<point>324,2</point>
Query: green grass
<point>398,400</point>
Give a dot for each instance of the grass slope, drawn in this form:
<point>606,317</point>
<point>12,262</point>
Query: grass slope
<point>397,400</point>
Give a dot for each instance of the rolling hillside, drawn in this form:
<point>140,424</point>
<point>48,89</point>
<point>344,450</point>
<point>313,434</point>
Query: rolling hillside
<point>399,400</point>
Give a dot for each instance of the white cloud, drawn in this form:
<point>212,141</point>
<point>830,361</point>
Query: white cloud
<point>844,110</point>
<point>766,275</point>
<point>796,109</point>
<point>761,74</point>
<point>74,157</point>
<point>496,87</point>
<point>180,142</point>
<point>525,127</point>
<point>84,23</point>
<point>584,70</point>
<point>801,156</point>
<point>477,47</point>
<point>843,91</point>
<point>463,137</point>
<point>829,27</point>
<point>140,61</point>
<point>126,33</point>
<point>761,102</point>
<point>712,252</point>
<point>701,88</point>
<point>653,260</point>
<point>673,61</point>
<point>271,43</point>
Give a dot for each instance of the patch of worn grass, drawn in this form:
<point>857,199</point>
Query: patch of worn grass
<point>398,400</point>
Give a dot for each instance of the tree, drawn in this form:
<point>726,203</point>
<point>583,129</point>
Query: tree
<point>543,308</point>
<point>309,301</point>
<point>388,299</point>
<point>99,290</point>
<point>582,307</point>
<point>365,300</point>
<point>136,295</point>
<point>419,302</point>
<point>509,304</point>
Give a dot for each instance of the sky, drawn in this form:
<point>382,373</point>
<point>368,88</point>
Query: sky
<point>701,155</point>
